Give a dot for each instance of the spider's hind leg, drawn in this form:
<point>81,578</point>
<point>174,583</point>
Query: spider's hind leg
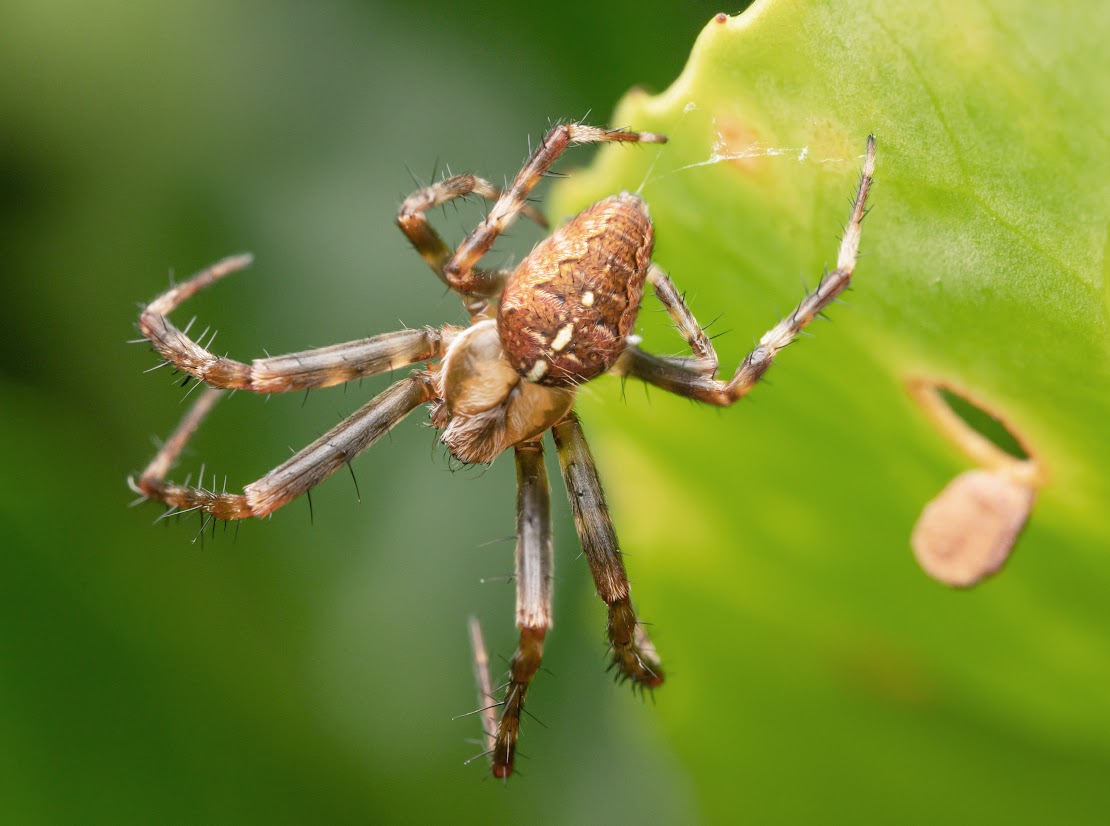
<point>460,270</point>
<point>413,221</point>
<point>425,240</point>
<point>705,357</point>
<point>696,379</point>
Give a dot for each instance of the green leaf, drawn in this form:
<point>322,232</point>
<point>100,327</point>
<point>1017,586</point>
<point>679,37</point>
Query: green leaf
<point>815,668</point>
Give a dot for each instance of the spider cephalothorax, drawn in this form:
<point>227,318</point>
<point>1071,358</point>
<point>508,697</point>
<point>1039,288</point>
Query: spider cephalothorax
<point>562,319</point>
<point>483,405</point>
<point>564,316</point>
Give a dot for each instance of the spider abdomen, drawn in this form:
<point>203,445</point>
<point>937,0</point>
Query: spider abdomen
<point>567,309</point>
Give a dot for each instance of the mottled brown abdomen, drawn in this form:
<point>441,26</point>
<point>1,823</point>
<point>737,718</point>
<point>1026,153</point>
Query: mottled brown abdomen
<point>566,311</point>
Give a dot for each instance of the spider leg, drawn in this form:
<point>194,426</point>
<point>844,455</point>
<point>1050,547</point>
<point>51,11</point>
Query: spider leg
<point>320,367</point>
<point>486,702</point>
<point>534,563</point>
<point>675,305</point>
<point>301,472</point>
<point>680,377</point>
<point>633,653</point>
<point>460,271</point>
<point>423,236</point>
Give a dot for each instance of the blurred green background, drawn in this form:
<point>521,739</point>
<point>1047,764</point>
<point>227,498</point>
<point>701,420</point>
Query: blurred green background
<point>291,672</point>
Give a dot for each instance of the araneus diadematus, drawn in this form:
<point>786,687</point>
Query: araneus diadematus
<point>563,317</point>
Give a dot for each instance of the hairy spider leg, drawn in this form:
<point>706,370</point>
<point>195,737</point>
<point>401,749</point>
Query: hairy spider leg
<point>632,652</point>
<point>300,473</point>
<point>321,367</point>
<point>705,357</point>
<point>431,246</point>
<point>423,236</point>
<point>534,565</point>
<point>487,703</point>
<point>460,270</point>
<point>165,458</point>
<point>679,377</point>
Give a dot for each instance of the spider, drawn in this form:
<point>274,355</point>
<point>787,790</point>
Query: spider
<point>564,316</point>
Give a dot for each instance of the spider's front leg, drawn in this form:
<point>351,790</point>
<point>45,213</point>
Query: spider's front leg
<point>695,380</point>
<point>534,563</point>
<point>633,653</point>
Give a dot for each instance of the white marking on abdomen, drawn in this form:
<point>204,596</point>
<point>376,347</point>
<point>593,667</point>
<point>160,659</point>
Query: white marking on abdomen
<point>562,338</point>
